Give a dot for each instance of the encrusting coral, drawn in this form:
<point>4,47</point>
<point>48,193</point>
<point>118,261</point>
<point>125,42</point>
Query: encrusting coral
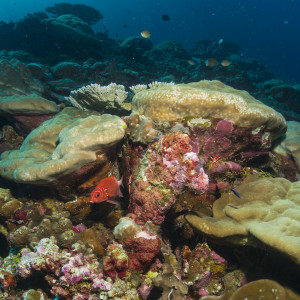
<point>266,205</point>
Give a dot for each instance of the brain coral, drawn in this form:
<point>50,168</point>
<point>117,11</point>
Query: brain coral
<point>269,210</point>
<point>61,146</point>
<point>207,99</point>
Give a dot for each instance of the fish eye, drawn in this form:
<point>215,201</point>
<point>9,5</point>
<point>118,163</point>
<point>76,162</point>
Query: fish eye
<point>97,195</point>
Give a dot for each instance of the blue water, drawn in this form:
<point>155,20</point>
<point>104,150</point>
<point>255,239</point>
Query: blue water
<point>268,30</point>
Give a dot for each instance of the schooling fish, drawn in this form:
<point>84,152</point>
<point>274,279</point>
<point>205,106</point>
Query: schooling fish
<point>106,190</point>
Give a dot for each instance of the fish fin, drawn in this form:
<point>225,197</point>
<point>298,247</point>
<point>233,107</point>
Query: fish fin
<point>120,182</point>
<point>120,193</point>
<point>111,201</point>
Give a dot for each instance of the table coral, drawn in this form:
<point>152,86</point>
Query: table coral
<point>26,113</point>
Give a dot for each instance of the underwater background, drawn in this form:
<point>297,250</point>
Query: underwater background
<point>149,150</point>
<point>265,30</point>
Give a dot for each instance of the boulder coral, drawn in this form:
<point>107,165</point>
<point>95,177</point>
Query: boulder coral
<point>207,99</point>
<point>61,146</point>
<point>290,143</point>
<point>86,13</point>
<point>26,113</point>
<point>17,79</point>
<point>267,205</point>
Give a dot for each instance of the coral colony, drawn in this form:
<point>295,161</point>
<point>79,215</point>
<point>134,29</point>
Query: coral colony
<point>117,186</point>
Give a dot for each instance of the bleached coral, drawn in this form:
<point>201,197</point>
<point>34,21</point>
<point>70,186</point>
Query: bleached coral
<point>97,97</point>
<point>155,84</point>
<point>137,88</point>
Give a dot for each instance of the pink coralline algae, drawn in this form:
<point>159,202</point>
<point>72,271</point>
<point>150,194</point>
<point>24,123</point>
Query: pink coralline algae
<point>227,166</point>
<point>143,249</point>
<point>115,263</point>
<point>232,142</point>
<point>202,269</point>
<point>170,166</point>
<point>224,127</point>
<point>74,274</point>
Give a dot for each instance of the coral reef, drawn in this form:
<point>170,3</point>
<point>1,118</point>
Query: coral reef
<point>9,139</point>
<point>210,168</point>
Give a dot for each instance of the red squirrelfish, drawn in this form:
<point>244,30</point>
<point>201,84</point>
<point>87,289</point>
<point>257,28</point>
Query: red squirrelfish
<point>106,190</point>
